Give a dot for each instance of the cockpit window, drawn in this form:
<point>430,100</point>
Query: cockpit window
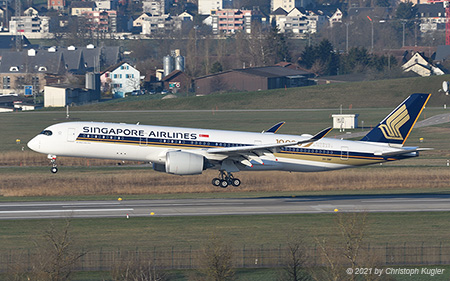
<point>47,133</point>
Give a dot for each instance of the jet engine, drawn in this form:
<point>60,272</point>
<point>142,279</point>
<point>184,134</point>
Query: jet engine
<point>182,163</point>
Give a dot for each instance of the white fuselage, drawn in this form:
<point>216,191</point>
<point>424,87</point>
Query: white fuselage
<point>151,143</point>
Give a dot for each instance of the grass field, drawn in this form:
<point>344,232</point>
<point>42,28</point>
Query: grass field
<point>252,231</point>
<point>25,175</point>
<point>368,94</point>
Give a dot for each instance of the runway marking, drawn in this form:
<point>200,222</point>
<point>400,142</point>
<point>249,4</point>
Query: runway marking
<point>55,204</point>
<point>65,211</point>
<point>404,200</point>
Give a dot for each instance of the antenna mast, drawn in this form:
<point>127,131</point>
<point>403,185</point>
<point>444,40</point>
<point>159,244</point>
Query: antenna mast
<point>19,26</point>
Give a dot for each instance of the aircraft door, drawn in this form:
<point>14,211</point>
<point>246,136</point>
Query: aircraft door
<point>71,135</point>
<point>344,153</point>
<point>142,141</point>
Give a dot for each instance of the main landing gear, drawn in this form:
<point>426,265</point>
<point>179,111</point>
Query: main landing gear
<point>54,168</point>
<point>225,178</point>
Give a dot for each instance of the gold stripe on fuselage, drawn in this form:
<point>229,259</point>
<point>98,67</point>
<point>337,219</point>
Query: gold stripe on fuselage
<point>315,157</point>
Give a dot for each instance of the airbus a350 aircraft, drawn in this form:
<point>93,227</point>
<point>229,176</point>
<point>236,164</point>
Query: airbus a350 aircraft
<point>185,151</point>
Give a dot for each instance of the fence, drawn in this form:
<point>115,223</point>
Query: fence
<point>245,257</point>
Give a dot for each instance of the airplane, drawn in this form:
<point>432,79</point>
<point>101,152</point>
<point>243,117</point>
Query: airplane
<point>190,151</point>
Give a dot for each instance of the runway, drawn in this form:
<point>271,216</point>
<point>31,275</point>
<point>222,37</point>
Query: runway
<point>222,207</point>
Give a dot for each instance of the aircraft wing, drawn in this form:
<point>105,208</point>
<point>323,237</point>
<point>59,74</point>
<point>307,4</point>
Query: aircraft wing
<point>252,148</point>
<point>401,152</point>
<point>245,154</point>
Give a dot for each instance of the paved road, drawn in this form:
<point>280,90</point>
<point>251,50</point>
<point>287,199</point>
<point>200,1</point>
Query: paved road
<point>214,207</point>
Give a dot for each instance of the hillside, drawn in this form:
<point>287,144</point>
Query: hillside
<point>380,93</point>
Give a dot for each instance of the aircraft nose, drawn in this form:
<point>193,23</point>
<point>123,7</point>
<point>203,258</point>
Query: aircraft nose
<point>34,144</point>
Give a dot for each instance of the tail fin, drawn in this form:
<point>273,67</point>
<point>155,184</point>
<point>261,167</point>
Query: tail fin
<point>395,128</point>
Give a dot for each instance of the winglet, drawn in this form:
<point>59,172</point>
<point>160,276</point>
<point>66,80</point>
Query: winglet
<point>316,137</point>
<point>321,134</point>
<point>275,128</point>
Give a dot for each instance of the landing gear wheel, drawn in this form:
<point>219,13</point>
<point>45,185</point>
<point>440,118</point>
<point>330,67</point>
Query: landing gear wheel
<point>54,168</point>
<point>216,181</point>
<point>235,182</point>
<point>223,183</point>
<point>225,179</point>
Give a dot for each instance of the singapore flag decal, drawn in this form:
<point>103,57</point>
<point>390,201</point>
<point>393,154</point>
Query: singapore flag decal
<point>203,136</point>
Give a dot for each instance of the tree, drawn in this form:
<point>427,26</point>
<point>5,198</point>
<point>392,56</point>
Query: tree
<point>321,57</point>
<point>216,67</point>
<point>406,11</point>
<point>295,261</point>
<point>346,250</point>
<point>138,267</point>
<point>217,260</point>
<point>56,256</point>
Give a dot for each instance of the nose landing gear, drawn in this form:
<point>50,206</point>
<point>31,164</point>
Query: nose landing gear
<point>225,178</point>
<point>54,168</point>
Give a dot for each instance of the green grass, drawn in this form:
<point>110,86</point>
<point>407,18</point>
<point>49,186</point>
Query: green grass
<point>368,94</point>
<point>251,231</point>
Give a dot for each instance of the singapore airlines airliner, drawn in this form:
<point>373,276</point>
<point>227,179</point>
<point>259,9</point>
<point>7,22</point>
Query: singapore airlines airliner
<point>188,151</point>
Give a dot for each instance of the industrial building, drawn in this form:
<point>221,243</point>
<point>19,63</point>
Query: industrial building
<point>253,79</point>
<point>61,95</point>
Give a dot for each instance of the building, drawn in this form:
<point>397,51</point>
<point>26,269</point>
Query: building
<point>232,20</point>
<point>164,24</point>
<point>121,79</point>
<point>63,95</point>
<point>288,5</point>
<point>419,65</point>
<point>139,20</point>
<point>56,4</point>
<point>79,7</point>
<point>8,42</point>
<point>101,5</point>
<point>5,16</point>
<point>38,68</point>
<point>31,26</point>
<point>155,7</point>
<point>31,12</point>
<point>205,6</point>
<point>100,21</point>
<point>300,22</point>
<point>336,17</point>
<point>345,121</point>
<point>432,17</point>
<point>29,67</point>
<point>277,15</point>
<point>252,79</point>
<point>177,81</point>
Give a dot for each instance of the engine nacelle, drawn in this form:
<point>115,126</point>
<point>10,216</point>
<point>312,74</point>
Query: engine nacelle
<point>159,167</point>
<point>182,163</point>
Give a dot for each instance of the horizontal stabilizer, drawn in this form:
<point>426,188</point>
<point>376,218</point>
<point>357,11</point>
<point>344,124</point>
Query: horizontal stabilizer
<point>401,152</point>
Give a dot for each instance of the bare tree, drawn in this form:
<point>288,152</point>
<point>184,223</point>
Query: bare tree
<point>295,261</point>
<point>137,267</point>
<point>345,251</point>
<point>217,260</point>
<point>58,253</point>
<point>55,258</point>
